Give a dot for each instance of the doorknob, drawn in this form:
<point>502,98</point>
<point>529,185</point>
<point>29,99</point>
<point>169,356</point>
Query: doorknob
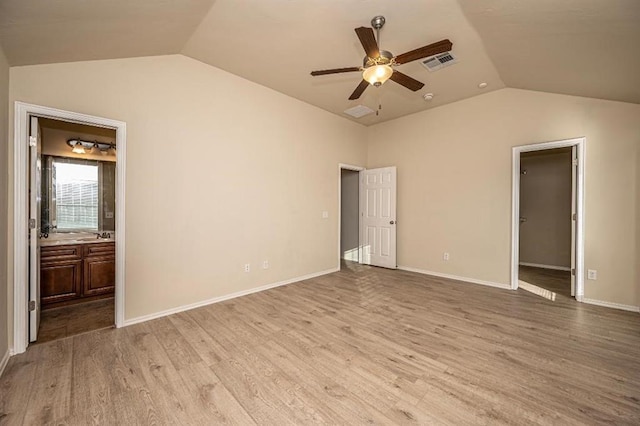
<point>523,219</point>
<point>391,223</point>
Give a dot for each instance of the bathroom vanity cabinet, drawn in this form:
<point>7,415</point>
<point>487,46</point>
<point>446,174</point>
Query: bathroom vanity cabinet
<point>76,273</point>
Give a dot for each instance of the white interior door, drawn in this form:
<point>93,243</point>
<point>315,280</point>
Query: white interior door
<point>574,195</point>
<point>35,194</point>
<point>378,217</point>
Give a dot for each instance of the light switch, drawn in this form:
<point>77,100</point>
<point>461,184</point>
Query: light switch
<point>325,215</point>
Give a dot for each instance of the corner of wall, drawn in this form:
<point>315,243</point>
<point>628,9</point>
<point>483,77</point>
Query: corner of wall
<point>4,205</point>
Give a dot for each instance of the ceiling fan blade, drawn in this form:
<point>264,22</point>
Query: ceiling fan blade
<point>335,71</point>
<point>408,82</point>
<point>368,40</point>
<point>359,90</point>
<point>422,52</point>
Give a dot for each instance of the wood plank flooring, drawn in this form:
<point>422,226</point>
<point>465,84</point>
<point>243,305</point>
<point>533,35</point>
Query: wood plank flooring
<point>360,346</point>
<point>65,321</point>
<point>558,282</point>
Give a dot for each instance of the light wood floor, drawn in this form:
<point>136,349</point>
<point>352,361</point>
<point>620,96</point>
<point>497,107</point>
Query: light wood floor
<point>360,346</point>
<point>66,321</point>
<point>558,282</point>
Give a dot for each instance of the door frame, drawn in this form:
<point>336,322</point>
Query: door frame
<point>22,112</point>
<point>342,166</point>
<point>580,144</point>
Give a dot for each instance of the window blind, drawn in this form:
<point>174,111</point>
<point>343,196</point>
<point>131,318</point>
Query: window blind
<point>76,196</point>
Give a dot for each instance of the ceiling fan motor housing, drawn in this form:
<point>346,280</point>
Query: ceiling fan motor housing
<point>385,58</point>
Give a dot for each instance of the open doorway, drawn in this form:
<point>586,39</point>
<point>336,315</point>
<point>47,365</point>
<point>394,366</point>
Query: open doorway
<point>75,201</point>
<point>546,202</point>
<point>349,212</point>
<point>547,219</point>
<point>371,193</point>
<point>52,275</point>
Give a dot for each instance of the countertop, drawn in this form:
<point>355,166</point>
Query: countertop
<point>48,242</point>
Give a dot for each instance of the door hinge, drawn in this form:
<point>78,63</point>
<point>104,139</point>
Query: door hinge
<point>32,223</point>
<point>574,162</point>
<point>32,305</point>
<point>573,271</point>
<point>32,141</point>
<point>573,216</point>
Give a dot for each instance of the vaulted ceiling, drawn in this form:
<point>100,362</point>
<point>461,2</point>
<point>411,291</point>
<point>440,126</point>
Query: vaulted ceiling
<point>577,47</point>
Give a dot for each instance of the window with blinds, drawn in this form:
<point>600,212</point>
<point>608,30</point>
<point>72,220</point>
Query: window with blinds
<point>76,196</point>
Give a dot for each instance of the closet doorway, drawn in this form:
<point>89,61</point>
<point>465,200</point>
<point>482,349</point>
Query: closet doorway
<point>547,219</point>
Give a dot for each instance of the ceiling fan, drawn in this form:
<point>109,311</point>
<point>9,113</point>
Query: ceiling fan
<point>377,66</point>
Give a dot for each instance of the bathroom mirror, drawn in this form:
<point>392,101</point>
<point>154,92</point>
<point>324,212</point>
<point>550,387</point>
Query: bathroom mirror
<point>78,195</point>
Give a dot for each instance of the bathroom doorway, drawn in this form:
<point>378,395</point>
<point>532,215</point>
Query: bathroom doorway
<point>76,172</point>
<point>69,206</point>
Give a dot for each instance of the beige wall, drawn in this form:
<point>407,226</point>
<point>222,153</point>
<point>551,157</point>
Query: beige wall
<point>4,205</point>
<point>349,203</point>
<point>454,174</point>
<point>220,172</point>
<point>637,180</point>
<point>545,202</point>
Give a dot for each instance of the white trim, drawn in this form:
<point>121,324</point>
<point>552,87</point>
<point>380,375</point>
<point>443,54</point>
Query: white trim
<point>4,361</point>
<point>538,265</point>
<point>611,305</point>
<point>580,144</point>
<point>20,213</point>
<point>218,299</point>
<point>339,215</point>
<point>456,278</point>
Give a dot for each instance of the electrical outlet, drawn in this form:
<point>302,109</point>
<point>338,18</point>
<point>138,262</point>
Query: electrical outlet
<point>247,267</point>
<point>445,256</point>
<point>108,215</point>
<point>265,264</point>
<point>592,274</point>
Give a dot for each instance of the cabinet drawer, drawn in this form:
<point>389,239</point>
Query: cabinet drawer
<point>70,252</point>
<point>99,249</point>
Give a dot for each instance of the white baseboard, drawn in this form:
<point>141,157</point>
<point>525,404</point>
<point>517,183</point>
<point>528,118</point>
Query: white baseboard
<point>218,299</point>
<point>4,361</point>
<point>538,265</point>
<point>610,304</point>
<point>457,278</point>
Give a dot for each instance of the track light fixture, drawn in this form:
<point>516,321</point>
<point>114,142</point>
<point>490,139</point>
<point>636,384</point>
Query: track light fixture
<point>79,146</point>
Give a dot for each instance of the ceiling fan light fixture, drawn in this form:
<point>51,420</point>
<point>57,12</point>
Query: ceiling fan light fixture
<point>376,75</point>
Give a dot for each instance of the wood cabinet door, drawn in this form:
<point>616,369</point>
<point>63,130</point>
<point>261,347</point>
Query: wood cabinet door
<point>99,275</point>
<point>60,280</point>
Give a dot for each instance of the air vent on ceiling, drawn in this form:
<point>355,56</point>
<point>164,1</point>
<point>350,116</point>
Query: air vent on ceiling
<point>434,63</point>
<point>358,111</point>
